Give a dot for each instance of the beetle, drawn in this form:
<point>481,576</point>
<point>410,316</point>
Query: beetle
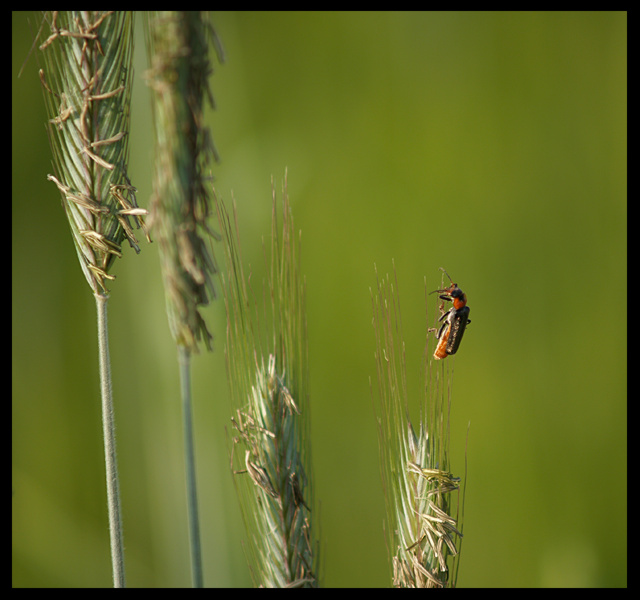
<point>457,318</point>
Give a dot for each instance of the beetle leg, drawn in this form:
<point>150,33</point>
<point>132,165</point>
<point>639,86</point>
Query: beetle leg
<point>442,328</point>
<point>444,315</point>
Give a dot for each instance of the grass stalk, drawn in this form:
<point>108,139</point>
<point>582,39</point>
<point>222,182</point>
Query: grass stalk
<point>178,47</point>
<point>87,82</point>
<point>109,434</point>
<point>416,477</point>
<point>267,364</point>
<point>184,360</point>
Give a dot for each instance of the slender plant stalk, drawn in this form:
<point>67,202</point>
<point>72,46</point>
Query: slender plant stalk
<point>416,479</point>
<point>184,360</point>
<point>267,364</point>
<point>109,431</point>
<point>178,45</point>
<point>87,80</point>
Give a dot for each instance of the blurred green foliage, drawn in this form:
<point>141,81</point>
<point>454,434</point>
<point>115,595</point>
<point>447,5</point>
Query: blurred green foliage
<point>492,144</point>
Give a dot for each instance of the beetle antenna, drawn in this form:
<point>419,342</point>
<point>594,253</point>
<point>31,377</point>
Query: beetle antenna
<point>447,274</point>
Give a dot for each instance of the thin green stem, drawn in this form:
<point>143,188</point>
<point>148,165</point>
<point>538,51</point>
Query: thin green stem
<point>109,432</point>
<point>184,360</point>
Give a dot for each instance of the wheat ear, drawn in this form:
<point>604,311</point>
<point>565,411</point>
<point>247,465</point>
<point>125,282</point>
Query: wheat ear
<point>87,83</point>
<point>178,47</point>
<point>416,479</point>
<point>267,363</point>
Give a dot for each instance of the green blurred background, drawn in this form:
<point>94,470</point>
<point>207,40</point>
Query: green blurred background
<point>492,144</point>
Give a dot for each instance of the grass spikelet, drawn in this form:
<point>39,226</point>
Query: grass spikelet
<point>417,483</point>
<point>178,46</point>
<point>267,365</point>
<point>87,81</point>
